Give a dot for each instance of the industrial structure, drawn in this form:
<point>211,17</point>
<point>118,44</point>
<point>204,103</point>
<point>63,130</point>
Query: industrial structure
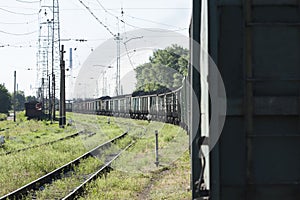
<point>48,56</point>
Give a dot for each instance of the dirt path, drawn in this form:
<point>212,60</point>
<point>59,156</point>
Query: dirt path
<point>170,183</point>
<point>156,177</point>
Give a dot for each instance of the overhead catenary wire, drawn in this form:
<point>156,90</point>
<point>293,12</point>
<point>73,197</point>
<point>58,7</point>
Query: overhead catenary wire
<point>151,21</point>
<point>123,21</point>
<point>126,23</point>
<point>17,13</point>
<point>129,58</point>
<point>118,38</point>
<point>134,26</point>
<point>125,43</point>
<point>21,1</point>
<point>105,10</point>
<point>19,23</point>
<point>137,27</point>
<point>23,43</point>
<point>17,46</point>
<point>106,27</point>
<point>18,34</point>
<point>152,29</point>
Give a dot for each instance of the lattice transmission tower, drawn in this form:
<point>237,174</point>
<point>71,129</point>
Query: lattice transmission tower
<point>48,56</point>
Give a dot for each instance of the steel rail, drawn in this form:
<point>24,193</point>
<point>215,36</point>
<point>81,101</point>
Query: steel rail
<point>56,174</point>
<point>104,169</point>
<point>43,144</point>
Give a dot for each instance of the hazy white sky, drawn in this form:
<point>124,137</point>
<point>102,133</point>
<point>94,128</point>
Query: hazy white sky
<point>19,30</point>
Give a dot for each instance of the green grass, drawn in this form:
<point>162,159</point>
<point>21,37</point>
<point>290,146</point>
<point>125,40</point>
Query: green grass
<point>135,171</point>
<point>20,168</point>
<point>174,182</point>
<point>23,133</point>
<point>3,117</point>
<point>62,187</point>
<point>173,141</point>
<point>117,185</point>
<point>168,183</point>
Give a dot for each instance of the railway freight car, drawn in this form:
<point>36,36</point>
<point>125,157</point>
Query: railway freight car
<point>255,44</point>
<point>33,110</point>
<point>102,106</point>
<point>162,105</point>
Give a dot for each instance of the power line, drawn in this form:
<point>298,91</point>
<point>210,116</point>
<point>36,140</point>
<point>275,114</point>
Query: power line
<point>151,30</point>
<point>17,13</point>
<point>14,23</point>
<point>154,22</point>
<point>118,40</point>
<point>19,7</point>
<point>18,34</point>
<point>27,1</point>
<point>125,43</point>
<point>106,27</point>
<point>102,6</point>
<point>123,21</point>
<point>17,46</point>
<point>107,10</point>
<point>129,58</point>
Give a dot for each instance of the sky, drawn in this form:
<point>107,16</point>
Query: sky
<point>19,34</point>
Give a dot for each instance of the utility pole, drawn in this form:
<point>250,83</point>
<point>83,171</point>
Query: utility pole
<point>53,97</point>
<point>118,39</point>
<point>104,84</point>
<point>15,84</point>
<point>49,98</point>
<point>42,92</point>
<point>62,102</point>
<point>49,102</point>
<point>156,149</point>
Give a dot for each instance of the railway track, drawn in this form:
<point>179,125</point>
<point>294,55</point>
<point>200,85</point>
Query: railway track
<point>49,143</point>
<point>104,169</point>
<point>57,173</point>
<point>130,124</point>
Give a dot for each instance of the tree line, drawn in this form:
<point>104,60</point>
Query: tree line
<point>6,100</point>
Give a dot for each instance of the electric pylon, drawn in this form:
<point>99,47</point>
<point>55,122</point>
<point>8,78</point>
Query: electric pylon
<point>48,56</point>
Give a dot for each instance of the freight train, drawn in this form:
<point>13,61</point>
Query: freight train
<point>163,105</point>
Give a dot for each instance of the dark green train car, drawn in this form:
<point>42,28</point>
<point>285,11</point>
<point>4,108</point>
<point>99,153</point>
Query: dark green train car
<point>256,47</point>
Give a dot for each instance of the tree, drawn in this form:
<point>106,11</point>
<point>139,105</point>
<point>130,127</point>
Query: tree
<point>20,101</point>
<point>166,69</point>
<point>31,98</point>
<point>5,100</point>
